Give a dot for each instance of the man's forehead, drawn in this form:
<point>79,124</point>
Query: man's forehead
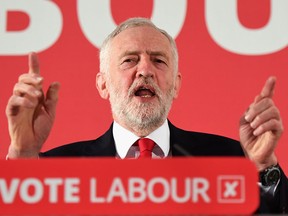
<point>141,39</point>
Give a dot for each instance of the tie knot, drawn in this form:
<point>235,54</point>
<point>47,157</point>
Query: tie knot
<point>146,146</point>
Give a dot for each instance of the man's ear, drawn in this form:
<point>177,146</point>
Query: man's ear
<point>177,85</point>
<point>101,85</point>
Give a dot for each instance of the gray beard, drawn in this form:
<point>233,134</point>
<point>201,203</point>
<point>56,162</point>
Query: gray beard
<point>141,117</point>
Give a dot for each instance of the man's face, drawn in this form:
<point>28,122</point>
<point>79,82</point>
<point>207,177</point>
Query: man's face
<point>141,83</point>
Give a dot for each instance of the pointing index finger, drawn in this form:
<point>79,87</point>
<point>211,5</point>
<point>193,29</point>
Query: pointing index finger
<point>268,89</point>
<point>33,63</point>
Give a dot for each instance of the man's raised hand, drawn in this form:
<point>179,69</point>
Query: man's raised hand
<point>30,113</point>
<point>261,127</point>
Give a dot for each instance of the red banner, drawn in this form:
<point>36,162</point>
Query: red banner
<point>134,187</point>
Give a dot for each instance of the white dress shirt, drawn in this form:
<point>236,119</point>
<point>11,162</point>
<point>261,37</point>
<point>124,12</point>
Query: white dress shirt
<point>125,139</point>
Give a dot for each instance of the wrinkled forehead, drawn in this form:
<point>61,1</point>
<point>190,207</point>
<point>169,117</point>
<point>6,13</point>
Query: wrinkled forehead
<point>144,38</point>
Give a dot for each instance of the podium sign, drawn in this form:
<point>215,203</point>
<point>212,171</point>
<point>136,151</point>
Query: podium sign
<point>134,187</point>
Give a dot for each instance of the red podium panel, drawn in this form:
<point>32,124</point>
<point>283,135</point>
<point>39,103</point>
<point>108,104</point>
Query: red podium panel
<point>121,187</point>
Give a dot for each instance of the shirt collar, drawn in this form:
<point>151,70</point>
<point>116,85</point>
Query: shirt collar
<point>124,138</point>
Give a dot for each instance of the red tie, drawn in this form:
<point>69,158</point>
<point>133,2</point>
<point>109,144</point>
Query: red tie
<point>146,146</point>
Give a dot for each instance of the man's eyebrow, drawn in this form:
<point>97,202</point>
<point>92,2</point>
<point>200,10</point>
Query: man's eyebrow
<point>151,53</point>
<point>127,53</point>
<point>157,53</point>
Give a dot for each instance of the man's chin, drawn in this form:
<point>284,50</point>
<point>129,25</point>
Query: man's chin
<point>145,119</point>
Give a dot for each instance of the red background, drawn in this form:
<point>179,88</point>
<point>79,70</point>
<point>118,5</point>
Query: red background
<point>217,87</point>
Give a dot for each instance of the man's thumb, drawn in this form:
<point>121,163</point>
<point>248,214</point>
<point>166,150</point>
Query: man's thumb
<point>52,98</point>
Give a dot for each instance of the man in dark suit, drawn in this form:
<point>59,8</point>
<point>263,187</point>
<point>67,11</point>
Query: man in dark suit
<point>139,75</point>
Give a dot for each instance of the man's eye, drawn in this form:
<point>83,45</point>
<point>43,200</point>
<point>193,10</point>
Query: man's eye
<point>160,61</point>
<point>128,63</point>
<point>129,60</point>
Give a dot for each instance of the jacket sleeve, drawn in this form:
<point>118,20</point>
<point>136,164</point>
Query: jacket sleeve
<point>274,199</point>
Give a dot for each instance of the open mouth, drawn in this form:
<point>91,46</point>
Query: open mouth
<point>145,91</point>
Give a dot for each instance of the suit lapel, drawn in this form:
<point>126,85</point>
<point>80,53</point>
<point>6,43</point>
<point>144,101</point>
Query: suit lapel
<point>178,141</point>
<point>103,146</point>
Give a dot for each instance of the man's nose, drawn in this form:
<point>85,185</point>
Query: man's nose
<point>145,68</point>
